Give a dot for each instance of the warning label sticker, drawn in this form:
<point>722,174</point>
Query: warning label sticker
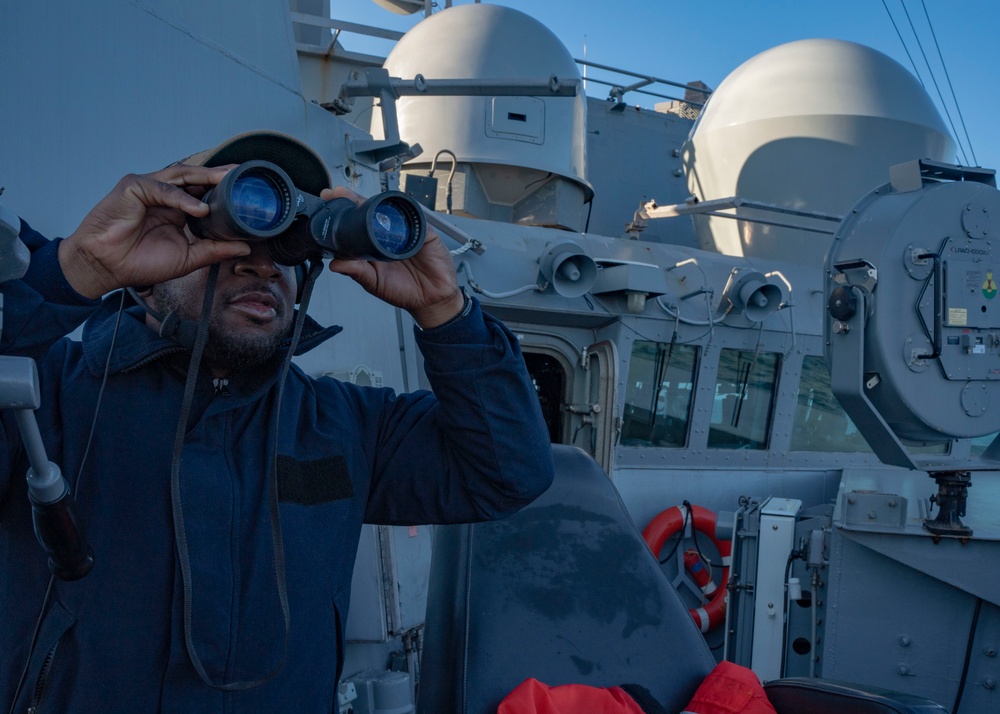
<point>958,316</point>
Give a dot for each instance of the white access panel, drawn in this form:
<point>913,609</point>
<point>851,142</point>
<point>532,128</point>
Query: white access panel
<point>775,542</point>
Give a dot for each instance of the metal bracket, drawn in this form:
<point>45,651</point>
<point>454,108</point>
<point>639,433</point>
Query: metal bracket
<point>377,151</point>
<point>715,207</point>
<point>868,508</point>
<point>377,83</point>
<point>857,273</point>
<point>847,378</point>
<point>912,175</point>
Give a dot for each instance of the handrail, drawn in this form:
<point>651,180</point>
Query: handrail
<point>642,91</point>
<point>588,63</point>
<point>343,26</point>
<point>618,89</point>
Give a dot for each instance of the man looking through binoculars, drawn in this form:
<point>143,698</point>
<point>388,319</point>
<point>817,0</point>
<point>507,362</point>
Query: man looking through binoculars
<point>224,522</point>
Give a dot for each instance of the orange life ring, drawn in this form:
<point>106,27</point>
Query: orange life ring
<point>670,522</point>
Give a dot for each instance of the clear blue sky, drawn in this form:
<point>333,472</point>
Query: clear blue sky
<point>707,39</point>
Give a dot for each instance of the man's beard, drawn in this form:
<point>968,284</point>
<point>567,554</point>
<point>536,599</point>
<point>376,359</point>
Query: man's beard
<point>227,347</point>
<point>236,351</point>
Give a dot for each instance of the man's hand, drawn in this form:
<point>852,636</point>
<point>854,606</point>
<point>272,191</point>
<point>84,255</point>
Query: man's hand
<point>136,235</point>
<point>425,285</point>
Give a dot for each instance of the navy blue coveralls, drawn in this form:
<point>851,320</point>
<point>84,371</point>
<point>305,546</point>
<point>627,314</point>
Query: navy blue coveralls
<point>114,641</point>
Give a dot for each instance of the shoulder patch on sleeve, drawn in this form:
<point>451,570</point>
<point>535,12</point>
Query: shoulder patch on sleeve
<point>310,483</point>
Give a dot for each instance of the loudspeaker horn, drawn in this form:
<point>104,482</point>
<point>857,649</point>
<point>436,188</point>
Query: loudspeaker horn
<point>754,296</point>
<point>570,271</point>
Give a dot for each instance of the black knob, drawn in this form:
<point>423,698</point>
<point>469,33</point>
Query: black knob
<point>842,304</point>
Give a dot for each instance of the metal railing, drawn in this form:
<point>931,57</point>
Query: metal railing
<point>332,48</point>
<point>621,82</point>
<point>620,88</point>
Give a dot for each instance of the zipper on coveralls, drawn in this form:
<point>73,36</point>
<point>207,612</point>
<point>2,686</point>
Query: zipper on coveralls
<point>36,700</point>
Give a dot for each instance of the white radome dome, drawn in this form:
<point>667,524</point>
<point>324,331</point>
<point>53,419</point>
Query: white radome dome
<point>811,125</point>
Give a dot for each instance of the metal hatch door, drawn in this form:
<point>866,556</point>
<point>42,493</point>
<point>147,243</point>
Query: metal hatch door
<point>600,364</point>
<point>577,389</point>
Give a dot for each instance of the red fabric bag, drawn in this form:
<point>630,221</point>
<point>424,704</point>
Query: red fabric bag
<point>533,697</point>
<point>730,689</point>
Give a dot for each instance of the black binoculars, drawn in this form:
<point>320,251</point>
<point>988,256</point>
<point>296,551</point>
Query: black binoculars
<point>257,201</point>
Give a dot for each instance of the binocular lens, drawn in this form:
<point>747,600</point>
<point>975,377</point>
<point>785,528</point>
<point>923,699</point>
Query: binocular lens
<point>392,229</point>
<point>253,202</point>
<point>257,201</point>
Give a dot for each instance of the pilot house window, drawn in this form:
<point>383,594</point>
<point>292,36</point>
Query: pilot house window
<point>821,424</point>
<point>744,400</point>
<point>658,395</point>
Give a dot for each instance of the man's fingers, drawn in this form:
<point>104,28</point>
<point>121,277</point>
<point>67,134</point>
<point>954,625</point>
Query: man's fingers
<point>188,175</point>
<point>362,272</point>
<point>152,192</point>
<point>350,268</point>
<point>169,187</point>
<point>207,252</point>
